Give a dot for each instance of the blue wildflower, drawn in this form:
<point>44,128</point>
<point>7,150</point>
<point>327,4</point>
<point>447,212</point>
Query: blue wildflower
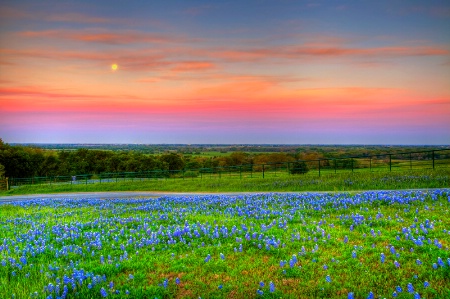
<point>271,287</point>
<point>103,293</point>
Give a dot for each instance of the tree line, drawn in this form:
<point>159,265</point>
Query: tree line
<point>20,161</point>
<point>29,161</point>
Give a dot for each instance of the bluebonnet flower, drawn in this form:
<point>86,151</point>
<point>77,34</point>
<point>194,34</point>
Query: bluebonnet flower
<point>272,287</point>
<point>410,288</point>
<point>353,254</point>
<point>165,283</point>
<point>222,256</point>
<point>130,276</point>
<point>416,295</point>
<point>426,284</point>
<point>345,239</point>
<point>111,284</point>
<point>435,266</point>
<point>394,294</point>
<point>418,262</point>
<point>208,257</point>
<point>350,296</point>
<point>328,278</point>
<point>261,284</point>
<point>177,280</point>
<point>397,264</point>
<point>382,257</point>
<point>325,267</point>
<point>441,262</point>
<point>398,289</point>
<point>103,293</point>
<point>371,296</point>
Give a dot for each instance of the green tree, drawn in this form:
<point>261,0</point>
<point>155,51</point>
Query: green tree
<point>2,171</point>
<point>174,161</point>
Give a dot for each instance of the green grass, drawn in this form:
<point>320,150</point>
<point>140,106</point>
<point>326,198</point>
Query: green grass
<point>60,237</point>
<point>328,181</point>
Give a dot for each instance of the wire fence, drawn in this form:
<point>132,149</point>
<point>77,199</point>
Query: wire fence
<point>388,162</point>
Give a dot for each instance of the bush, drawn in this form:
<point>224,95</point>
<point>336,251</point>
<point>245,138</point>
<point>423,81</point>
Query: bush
<point>299,167</point>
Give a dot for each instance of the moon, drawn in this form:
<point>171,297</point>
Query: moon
<point>114,67</point>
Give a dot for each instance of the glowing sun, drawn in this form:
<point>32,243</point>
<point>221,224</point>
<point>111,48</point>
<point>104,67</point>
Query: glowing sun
<point>114,67</point>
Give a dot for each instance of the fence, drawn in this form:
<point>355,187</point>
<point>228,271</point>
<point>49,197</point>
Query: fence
<point>432,159</point>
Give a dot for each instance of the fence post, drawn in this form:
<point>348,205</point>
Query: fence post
<point>390,162</point>
<point>7,184</point>
<point>263,170</point>
<point>432,155</point>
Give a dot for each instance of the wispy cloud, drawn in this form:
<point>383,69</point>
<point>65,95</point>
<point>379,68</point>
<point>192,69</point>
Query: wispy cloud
<point>102,36</point>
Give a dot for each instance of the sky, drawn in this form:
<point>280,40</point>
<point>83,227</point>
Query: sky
<point>227,72</point>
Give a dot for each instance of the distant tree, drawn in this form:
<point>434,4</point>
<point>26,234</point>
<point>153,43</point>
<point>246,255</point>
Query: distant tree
<point>299,167</point>
<point>174,161</point>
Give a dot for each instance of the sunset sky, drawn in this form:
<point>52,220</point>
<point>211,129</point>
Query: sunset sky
<point>294,72</point>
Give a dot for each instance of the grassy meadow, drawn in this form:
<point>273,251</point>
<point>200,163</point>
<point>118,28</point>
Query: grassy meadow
<point>273,181</point>
<point>376,244</point>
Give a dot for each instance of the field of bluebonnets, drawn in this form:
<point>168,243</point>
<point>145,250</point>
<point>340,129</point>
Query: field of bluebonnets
<point>388,244</point>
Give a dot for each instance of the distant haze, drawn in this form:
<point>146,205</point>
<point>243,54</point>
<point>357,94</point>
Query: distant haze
<point>225,72</point>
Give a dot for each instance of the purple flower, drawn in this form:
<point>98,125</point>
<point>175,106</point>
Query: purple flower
<point>410,288</point>
<point>426,284</point>
<point>177,280</point>
<point>328,278</point>
<point>397,264</point>
<point>382,257</point>
<point>261,284</point>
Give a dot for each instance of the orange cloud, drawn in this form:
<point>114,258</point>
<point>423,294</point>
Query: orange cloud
<point>193,66</point>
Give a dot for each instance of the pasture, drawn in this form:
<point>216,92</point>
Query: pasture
<point>312,245</point>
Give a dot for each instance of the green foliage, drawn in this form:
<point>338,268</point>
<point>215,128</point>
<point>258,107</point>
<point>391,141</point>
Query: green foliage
<point>299,167</point>
<point>2,171</point>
